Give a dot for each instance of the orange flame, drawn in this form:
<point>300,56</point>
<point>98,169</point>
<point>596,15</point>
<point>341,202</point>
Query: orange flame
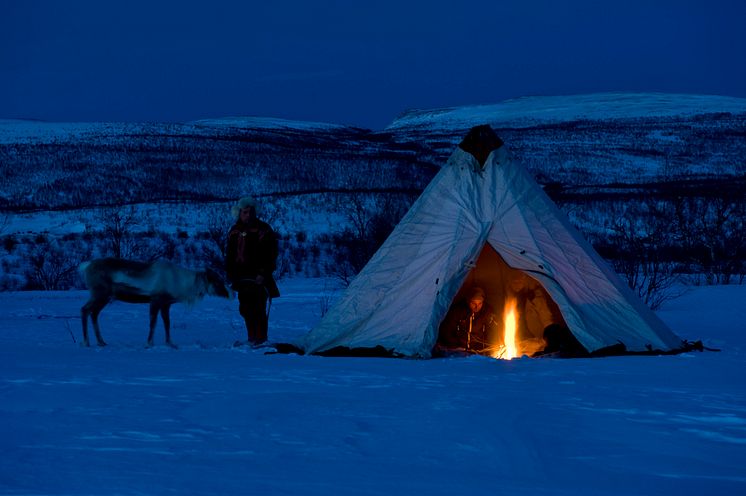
<point>508,349</point>
<point>511,323</point>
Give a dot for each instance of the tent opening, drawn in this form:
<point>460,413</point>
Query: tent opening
<point>517,316</point>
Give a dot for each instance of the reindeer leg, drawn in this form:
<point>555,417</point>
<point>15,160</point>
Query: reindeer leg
<point>165,315</point>
<point>94,318</point>
<point>91,309</point>
<point>85,311</point>
<point>154,307</point>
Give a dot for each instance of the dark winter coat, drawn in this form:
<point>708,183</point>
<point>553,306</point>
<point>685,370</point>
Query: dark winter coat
<point>454,331</point>
<point>252,251</point>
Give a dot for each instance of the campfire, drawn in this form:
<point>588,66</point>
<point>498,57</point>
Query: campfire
<point>509,347</point>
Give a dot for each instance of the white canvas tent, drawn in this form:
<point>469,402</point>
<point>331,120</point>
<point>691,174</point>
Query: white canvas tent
<point>481,219</point>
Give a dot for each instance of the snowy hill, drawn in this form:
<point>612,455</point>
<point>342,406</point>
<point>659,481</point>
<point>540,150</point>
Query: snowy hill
<point>600,139</point>
<point>588,140</point>
<point>75,165</point>
<point>14,132</point>
<point>531,111</point>
<point>604,158</point>
<point>267,123</point>
<point>26,131</point>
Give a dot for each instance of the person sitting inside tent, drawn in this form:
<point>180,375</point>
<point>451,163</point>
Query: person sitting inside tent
<point>468,326</point>
<point>540,319</point>
<point>534,311</point>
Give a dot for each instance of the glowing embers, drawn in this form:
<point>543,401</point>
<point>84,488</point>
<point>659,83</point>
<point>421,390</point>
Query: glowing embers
<point>509,348</point>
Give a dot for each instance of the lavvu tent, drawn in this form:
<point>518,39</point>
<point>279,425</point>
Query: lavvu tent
<point>483,220</point>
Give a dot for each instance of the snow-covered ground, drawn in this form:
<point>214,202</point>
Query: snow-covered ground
<point>211,419</point>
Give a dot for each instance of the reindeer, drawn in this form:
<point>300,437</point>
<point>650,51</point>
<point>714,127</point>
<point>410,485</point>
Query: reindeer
<point>159,283</point>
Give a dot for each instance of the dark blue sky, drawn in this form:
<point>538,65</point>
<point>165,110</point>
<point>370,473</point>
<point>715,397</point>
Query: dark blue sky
<point>351,62</point>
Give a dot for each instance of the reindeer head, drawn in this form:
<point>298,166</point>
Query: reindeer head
<point>215,285</point>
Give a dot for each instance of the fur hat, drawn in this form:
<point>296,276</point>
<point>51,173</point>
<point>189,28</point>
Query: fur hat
<point>244,202</point>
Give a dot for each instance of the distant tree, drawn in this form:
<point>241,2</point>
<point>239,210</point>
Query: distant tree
<point>10,242</point>
<point>371,219</point>
<point>712,233</point>
<point>52,267</point>
<point>117,224</point>
<point>4,223</point>
<point>218,223</point>
<point>641,241</point>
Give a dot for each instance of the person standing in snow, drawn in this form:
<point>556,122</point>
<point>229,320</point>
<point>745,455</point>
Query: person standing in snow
<point>251,258</point>
<point>469,325</point>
